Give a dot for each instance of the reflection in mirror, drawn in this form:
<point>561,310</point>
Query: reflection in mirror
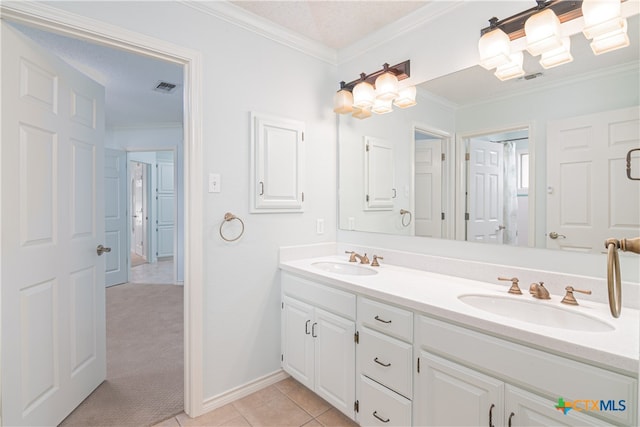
<point>473,103</point>
<point>497,188</point>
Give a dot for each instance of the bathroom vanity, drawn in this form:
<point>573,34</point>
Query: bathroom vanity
<point>395,346</point>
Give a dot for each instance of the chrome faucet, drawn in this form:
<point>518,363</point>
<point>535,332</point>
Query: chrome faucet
<point>537,290</point>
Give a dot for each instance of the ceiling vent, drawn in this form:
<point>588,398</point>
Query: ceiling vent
<point>165,87</point>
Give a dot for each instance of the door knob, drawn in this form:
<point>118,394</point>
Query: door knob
<point>101,249</point>
<point>555,235</point>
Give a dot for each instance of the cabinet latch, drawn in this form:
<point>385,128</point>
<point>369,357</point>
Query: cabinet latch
<point>418,365</point>
<point>356,406</point>
<point>356,337</point>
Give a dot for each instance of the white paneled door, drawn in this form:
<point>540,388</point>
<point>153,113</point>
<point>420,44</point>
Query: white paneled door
<point>115,216</point>
<point>165,212</point>
<point>485,188</point>
<point>428,188</point>
<point>53,295</point>
<point>589,197</point>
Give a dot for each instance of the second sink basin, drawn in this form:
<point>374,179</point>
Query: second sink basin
<point>343,268</point>
<point>536,312</point>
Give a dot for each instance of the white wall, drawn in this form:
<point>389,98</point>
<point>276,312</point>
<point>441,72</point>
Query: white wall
<point>244,72</point>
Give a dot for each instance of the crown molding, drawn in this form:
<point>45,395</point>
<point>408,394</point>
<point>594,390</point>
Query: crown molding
<point>430,12</point>
<point>249,21</point>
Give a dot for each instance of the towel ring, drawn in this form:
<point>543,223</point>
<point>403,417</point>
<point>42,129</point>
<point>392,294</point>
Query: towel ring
<point>403,212</point>
<point>227,218</point>
<point>614,285</point>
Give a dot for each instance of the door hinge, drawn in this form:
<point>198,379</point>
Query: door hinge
<point>442,216</point>
<point>467,156</point>
<point>366,147</point>
<point>283,305</point>
<point>303,196</point>
<point>466,216</point>
<point>156,253</point>
<point>356,406</point>
<point>303,136</point>
<point>367,197</point>
<point>356,337</point>
<point>418,365</point>
<point>282,357</point>
<point>443,156</point>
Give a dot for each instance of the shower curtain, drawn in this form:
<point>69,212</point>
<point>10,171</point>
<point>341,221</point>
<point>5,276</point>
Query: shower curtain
<point>510,206</point>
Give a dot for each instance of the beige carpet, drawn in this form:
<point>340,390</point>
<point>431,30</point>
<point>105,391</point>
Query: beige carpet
<point>144,359</point>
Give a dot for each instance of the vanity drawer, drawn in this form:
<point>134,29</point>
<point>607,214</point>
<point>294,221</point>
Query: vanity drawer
<point>386,318</point>
<point>386,360</point>
<point>379,406</point>
<point>325,297</point>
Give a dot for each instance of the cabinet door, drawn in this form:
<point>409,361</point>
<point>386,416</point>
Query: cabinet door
<point>448,394</point>
<point>335,360</point>
<point>379,174</point>
<point>532,410</point>
<point>277,162</point>
<point>297,342</point>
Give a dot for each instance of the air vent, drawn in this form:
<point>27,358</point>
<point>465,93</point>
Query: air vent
<point>533,76</point>
<point>165,87</point>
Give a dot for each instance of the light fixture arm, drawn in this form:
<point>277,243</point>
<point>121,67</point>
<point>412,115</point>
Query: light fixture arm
<point>401,71</point>
<point>513,26</point>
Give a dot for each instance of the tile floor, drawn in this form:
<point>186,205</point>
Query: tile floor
<point>160,273</point>
<point>286,403</point>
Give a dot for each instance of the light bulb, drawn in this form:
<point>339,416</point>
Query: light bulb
<point>386,86</point>
<point>494,47</point>
<point>343,102</point>
<point>542,32</point>
<point>363,95</point>
<point>406,97</point>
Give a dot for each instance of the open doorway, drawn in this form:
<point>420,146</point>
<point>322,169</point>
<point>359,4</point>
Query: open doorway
<point>127,395</point>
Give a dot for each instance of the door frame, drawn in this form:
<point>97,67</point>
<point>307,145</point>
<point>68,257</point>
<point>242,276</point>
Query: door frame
<point>54,20</point>
<point>461,176</point>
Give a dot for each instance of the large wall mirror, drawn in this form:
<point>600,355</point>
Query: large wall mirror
<point>537,161</point>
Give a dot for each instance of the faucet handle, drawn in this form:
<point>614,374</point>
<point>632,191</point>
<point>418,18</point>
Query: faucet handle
<point>514,289</point>
<point>569,298</point>
<point>352,257</point>
<point>375,262</point>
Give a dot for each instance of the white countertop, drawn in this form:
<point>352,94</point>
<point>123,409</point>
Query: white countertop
<point>437,295</point>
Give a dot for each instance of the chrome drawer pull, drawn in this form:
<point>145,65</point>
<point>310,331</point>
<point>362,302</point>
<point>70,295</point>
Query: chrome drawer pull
<point>382,320</point>
<point>375,414</point>
<point>386,365</point>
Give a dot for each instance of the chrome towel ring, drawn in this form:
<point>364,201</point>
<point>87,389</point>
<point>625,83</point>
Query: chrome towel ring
<point>227,218</point>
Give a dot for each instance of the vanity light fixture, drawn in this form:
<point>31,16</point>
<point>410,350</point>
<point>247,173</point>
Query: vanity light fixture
<point>376,92</point>
<point>541,28</point>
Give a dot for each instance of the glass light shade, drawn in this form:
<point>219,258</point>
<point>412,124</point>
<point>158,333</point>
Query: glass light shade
<point>598,12</point>
<point>542,32</point>
<point>343,102</point>
<point>386,86</point>
<point>382,106</point>
<point>406,97</point>
<point>361,113</point>
<point>494,48</point>
<point>559,56</point>
<point>511,70</point>
<point>611,41</point>
<point>363,95</point>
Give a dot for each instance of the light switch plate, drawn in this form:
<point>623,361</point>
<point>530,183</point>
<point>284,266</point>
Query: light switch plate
<point>214,183</point>
<point>320,226</point>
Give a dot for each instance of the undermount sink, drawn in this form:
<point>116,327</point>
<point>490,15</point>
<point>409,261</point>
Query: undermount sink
<point>343,268</point>
<point>536,312</point>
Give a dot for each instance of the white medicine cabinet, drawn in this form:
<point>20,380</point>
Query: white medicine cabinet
<point>277,164</point>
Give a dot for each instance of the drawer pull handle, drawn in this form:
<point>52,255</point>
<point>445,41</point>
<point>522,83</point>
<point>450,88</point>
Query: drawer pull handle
<point>306,327</point>
<point>386,365</point>
<point>313,330</point>
<point>491,415</point>
<point>375,414</point>
<point>510,416</point>
<point>382,320</point>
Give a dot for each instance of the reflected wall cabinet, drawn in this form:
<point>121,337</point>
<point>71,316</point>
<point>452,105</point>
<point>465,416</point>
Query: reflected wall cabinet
<point>277,164</point>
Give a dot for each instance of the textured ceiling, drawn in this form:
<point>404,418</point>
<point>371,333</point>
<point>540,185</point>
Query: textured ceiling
<point>335,24</point>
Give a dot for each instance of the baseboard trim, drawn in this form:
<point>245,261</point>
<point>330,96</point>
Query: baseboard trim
<point>222,399</point>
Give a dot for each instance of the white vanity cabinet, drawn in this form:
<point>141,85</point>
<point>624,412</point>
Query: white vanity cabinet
<point>384,364</point>
<point>318,339</point>
<point>469,378</point>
